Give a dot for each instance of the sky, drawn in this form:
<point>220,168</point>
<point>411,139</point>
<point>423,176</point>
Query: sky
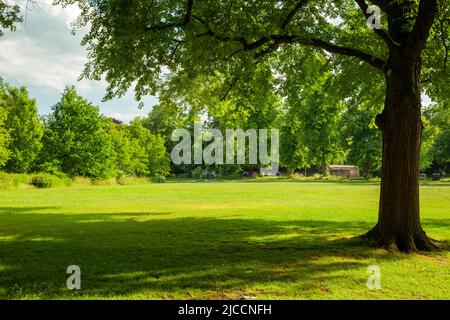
<point>43,55</point>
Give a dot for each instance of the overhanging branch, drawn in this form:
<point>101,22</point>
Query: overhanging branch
<point>332,48</point>
<point>170,25</point>
<point>380,32</point>
<point>421,30</point>
<point>329,47</point>
<point>270,43</point>
<point>300,4</point>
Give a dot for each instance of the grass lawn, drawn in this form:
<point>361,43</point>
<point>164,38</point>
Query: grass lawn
<point>219,240</point>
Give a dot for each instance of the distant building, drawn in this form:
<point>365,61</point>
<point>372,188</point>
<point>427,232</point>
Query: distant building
<point>347,171</point>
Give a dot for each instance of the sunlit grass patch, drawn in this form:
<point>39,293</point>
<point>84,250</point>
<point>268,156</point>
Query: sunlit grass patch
<point>220,240</point>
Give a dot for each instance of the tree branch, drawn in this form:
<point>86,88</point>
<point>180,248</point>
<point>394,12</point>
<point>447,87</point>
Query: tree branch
<point>385,5</point>
<point>230,87</point>
<point>187,18</point>
<point>421,30</point>
<point>332,48</point>
<point>223,38</point>
<point>273,41</point>
<point>329,47</point>
<point>300,4</point>
<point>380,32</point>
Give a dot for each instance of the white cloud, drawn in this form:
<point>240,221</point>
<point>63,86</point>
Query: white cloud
<point>26,59</point>
<point>43,52</point>
<point>68,14</point>
<point>44,56</point>
<point>426,100</point>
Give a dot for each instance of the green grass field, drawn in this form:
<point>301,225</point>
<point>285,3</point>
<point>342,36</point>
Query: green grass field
<point>219,240</point>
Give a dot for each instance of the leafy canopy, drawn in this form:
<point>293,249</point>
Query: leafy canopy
<point>75,141</point>
<point>216,46</point>
<point>23,126</point>
<point>9,15</point>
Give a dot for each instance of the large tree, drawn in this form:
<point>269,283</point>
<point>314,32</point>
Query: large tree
<point>75,141</point>
<point>438,140</point>
<point>4,132</point>
<point>173,43</point>
<point>362,138</point>
<point>23,126</point>
<point>9,16</point>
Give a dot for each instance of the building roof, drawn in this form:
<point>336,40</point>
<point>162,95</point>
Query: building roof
<point>343,167</point>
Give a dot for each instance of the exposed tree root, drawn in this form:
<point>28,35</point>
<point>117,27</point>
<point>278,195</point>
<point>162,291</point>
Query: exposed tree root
<point>419,241</point>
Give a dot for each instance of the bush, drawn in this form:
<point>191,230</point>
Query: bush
<point>44,180</point>
<point>129,180</point>
<point>197,173</point>
<point>50,167</point>
<point>332,178</point>
<point>296,176</point>
<point>78,180</point>
<point>159,179</point>
<point>104,182</point>
<point>8,180</point>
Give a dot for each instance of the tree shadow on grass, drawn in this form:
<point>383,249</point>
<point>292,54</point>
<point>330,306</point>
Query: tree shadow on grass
<point>127,254</point>
<point>19,210</point>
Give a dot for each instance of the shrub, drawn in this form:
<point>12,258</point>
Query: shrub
<point>78,180</point>
<point>296,176</point>
<point>197,173</point>
<point>104,182</point>
<point>333,178</point>
<point>159,179</point>
<point>124,179</point>
<point>20,179</point>
<point>44,180</point>
<point>6,180</point>
<point>9,180</point>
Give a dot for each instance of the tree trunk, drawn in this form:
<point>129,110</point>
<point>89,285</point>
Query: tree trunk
<point>324,168</point>
<point>367,167</point>
<point>401,126</point>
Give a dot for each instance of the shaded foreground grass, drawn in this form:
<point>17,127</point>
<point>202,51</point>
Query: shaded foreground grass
<point>274,240</point>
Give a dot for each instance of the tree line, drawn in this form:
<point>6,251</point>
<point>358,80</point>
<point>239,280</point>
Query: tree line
<point>74,139</point>
<point>316,131</point>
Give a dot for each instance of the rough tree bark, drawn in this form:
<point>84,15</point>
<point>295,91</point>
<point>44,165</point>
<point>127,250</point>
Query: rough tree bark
<point>401,126</point>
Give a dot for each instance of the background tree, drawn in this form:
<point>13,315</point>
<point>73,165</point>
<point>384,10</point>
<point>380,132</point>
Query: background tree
<point>9,16</point>
<point>320,133</point>
<point>149,149</point>
<point>130,156</point>
<point>164,118</point>
<point>4,134</point>
<point>293,152</point>
<point>316,108</point>
<point>362,138</point>
<point>135,42</point>
<point>75,140</point>
<point>437,141</point>
<point>24,128</point>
